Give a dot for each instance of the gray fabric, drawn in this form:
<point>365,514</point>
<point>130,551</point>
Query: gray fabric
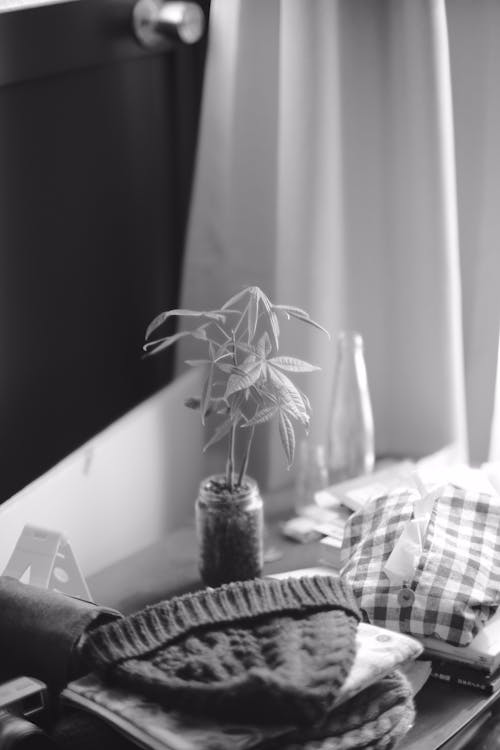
<point>40,631</point>
<point>375,719</point>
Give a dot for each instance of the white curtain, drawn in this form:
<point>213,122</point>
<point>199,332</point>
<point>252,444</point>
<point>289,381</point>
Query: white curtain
<point>474,31</point>
<point>337,149</point>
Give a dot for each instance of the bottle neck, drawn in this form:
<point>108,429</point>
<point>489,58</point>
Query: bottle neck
<point>349,341</point>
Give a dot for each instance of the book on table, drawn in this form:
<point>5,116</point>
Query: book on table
<point>357,492</point>
<point>482,653</point>
<point>458,674</point>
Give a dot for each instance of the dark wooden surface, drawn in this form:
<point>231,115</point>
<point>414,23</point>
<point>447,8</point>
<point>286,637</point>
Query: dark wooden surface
<point>170,568</point>
<point>443,713</point>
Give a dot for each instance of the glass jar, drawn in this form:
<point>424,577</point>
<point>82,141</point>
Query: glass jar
<point>229,528</point>
<point>351,431</point>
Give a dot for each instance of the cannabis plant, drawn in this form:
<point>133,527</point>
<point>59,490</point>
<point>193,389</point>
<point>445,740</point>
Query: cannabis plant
<point>245,381</point>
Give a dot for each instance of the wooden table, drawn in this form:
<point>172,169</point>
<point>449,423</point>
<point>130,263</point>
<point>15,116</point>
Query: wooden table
<point>169,568</point>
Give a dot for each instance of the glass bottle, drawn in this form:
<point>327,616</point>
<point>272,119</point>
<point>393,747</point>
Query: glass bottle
<point>351,431</point>
<point>312,474</point>
<point>230,532</point>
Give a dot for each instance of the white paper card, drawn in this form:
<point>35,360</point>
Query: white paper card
<point>44,558</point>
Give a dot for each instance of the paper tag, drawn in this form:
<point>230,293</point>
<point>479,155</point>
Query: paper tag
<point>422,508</point>
<point>404,558</point>
<point>401,563</point>
<point>44,558</point>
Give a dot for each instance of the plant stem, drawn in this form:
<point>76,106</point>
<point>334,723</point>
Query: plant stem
<point>233,451</point>
<point>242,317</point>
<point>244,465</point>
<point>224,333</point>
<point>235,358</point>
<point>232,436</point>
<point>229,462</point>
<point>229,467</point>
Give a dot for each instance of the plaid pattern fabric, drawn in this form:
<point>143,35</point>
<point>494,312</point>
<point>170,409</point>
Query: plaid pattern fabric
<point>456,584</point>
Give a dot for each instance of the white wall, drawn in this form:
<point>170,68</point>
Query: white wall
<point>123,489</point>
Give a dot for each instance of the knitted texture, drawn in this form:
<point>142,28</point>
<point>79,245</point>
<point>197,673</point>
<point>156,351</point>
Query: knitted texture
<point>263,650</point>
<point>377,718</point>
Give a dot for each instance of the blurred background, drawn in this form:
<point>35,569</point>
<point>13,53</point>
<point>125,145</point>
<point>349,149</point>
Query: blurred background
<point>342,154</point>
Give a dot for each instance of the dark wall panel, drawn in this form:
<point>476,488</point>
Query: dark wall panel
<point>95,174</point>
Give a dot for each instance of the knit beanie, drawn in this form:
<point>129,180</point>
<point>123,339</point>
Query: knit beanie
<point>264,650</point>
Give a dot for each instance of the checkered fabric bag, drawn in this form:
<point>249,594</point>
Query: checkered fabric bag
<point>455,586</point>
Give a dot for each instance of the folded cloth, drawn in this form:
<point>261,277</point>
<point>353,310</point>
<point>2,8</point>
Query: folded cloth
<point>454,586</point>
<point>40,631</point>
<point>377,718</point>
<point>263,650</point>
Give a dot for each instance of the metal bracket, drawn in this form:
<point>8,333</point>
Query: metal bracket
<point>155,22</point>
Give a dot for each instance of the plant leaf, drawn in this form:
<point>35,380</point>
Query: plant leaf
<point>217,353</point>
<point>264,346</point>
<point>251,372</point>
<point>216,349</point>
<point>272,317</point>
<point>222,430</point>
<point>230,369</point>
<point>311,322</point>
<point>197,362</point>
<point>235,298</point>
<point>240,322</point>
<point>260,295</point>
<point>292,364</point>
<point>153,347</point>
<point>259,398</point>
<point>287,435</point>
<point>289,396</point>
<point>299,314</point>
<point>242,346</point>
<point>162,317</point>
<point>195,403</point>
<point>225,311</point>
<point>262,415</point>
<point>253,314</point>
<point>192,403</point>
<point>305,400</point>
<point>290,309</point>
<point>235,403</point>
<point>220,356</point>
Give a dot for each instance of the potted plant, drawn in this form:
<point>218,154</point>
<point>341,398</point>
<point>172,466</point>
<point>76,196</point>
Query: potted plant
<point>245,385</point>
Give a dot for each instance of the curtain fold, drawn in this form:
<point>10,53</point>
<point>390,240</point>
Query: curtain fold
<point>327,175</point>
<point>475,66</point>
